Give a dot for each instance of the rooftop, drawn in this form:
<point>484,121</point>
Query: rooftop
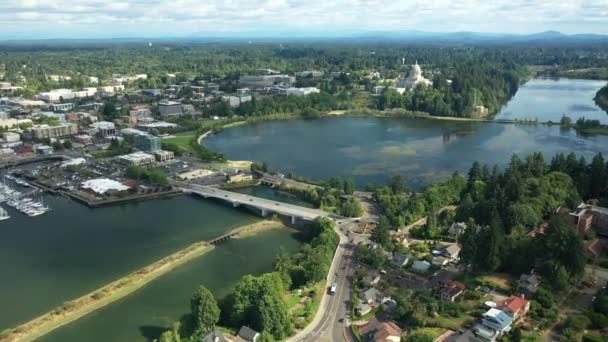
<point>103,185</point>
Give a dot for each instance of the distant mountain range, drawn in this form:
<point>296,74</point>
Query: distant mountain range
<point>411,36</point>
<point>342,37</point>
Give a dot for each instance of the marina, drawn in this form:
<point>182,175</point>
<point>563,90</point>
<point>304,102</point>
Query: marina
<point>28,203</point>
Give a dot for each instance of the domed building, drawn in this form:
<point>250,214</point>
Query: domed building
<point>414,79</point>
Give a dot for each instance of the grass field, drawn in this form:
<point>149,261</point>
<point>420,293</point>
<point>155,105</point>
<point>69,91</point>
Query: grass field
<point>182,140</point>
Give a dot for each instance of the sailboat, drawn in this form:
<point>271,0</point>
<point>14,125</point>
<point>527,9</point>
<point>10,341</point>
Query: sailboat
<point>3,214</point>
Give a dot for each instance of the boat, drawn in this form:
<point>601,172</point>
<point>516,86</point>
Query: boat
<point>3,214</point>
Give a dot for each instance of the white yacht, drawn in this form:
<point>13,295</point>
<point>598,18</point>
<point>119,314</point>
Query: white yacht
<point>3,214</point>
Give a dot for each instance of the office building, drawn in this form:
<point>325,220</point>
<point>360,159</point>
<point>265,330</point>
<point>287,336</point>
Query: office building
<point>49,132</point>
<point>147,143</point>
<point>104,128</point>
<point>169,108</point>
<point>137,159</point>
<point>164,156</point>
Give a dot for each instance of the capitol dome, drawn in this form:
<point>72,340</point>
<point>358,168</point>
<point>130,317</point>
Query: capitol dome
<point>416,71</point>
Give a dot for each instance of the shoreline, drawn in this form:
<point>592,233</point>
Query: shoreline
<point>75,309</point>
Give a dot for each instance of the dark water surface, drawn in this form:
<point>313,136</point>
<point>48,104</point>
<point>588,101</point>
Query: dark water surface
<point>372,149</point>
<point>145,314</point>
<point>71,250</point>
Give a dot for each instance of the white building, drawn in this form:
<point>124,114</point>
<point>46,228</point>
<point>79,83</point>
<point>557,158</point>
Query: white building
<point>93,80</point>
<point>137,159</point>
<point>112,89</point>
<point>103,185</point>
<point>299,91</point>
<point>57,95</point>
<point>414,79</point>
<point>310,73</point>
<point>10,137</point>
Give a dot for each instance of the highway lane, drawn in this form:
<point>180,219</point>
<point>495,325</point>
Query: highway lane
<point>261,203</point>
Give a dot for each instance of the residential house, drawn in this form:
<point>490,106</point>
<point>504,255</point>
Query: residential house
<point>457,228</point>
<point>388,304</point>
<point>440,261</point>
<point>400,260</point>
<point>449,290</point>
<point>214,336</point>
<point>451,251</point>
<point>514,306</point>
<point>528,284</point>
<point>421,266</point>
<point>497,320</point>
<point>363,309</point>
<point>248,334</point>
<point>388,332</point>
<point>371,279</point>
<point>371,295</point>
<point>595,248</point>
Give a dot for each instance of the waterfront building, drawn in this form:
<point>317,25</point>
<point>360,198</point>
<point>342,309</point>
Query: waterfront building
<point>102,186</point>
<point>414,79</point>
<point>137,159</point>
<point>169,108</point>
<point>239,177</point>
<point>147,143</point>
<point>58,131</point>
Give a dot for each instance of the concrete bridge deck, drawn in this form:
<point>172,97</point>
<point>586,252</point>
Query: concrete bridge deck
<point>266,206</point>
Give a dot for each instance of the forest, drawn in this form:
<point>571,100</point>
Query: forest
<point>503,209</point>
<point>464,76</point>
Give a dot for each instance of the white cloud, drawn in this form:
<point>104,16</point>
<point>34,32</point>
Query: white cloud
<point>182,17</point>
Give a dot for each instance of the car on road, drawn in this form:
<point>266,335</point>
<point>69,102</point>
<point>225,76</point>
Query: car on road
<point>485,289</point>
<point>435,274</point>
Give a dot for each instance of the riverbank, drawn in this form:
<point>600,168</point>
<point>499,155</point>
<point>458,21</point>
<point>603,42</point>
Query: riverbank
<point>77,308</point>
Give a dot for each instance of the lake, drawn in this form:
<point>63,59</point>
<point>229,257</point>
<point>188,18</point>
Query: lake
<point>143,315</point>
<point>370,149</point>
<point>71,250</point>
<point>548,99</point>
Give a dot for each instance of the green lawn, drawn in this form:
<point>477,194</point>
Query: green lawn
<point>182,140</point>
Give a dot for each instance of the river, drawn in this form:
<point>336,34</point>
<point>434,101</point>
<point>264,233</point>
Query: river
<point>548,99</point>
<point>72,249</point>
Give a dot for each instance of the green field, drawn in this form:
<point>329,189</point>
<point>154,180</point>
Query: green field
<point>182,140</point>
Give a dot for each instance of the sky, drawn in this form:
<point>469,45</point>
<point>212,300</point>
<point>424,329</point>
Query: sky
<point>42,19</point>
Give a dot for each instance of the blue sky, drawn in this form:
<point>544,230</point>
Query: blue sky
<point>159,18</point>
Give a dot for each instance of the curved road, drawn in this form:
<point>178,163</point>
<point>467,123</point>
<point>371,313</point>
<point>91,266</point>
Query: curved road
<point>330,323</point>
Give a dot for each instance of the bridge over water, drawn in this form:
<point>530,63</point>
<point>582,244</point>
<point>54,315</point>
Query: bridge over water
<point>265,206</point>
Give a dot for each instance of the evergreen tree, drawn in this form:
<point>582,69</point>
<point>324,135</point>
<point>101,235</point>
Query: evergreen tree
<point>205,311</point>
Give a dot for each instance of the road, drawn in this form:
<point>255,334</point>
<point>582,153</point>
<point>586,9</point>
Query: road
<point>265,205</point>
<point>583,301</point>
<point>329,323</point>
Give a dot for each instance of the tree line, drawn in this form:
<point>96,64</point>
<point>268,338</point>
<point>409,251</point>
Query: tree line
<point>258,301</point>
